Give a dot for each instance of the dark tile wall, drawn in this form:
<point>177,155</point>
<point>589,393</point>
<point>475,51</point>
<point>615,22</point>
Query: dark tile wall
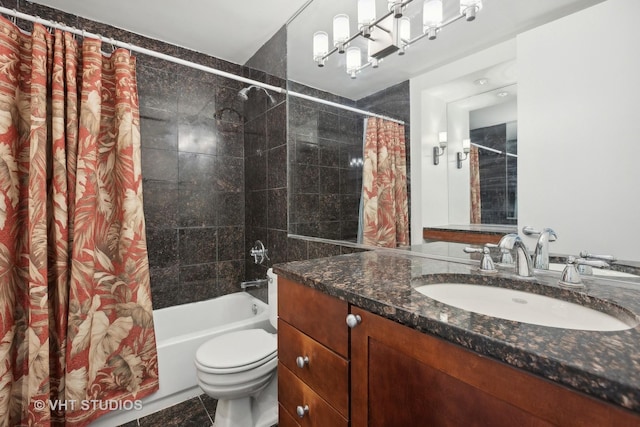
<point>326,162</point>
<point>326,147</point>
<point>496,179</point>
<point>266,184</point>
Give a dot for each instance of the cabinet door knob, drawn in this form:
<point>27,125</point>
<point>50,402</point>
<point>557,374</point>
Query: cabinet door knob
<point>301,361</point>
<point>302,410</point>
<point>353,320</point>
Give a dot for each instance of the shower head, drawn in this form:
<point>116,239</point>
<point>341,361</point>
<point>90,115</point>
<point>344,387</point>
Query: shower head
<point>243,94</point>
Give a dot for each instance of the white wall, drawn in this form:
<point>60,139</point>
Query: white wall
<point>459,201</point>
<point>496,114</point>
<point>579,129</point>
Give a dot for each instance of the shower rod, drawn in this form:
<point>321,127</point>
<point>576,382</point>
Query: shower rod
<point>210,70</point>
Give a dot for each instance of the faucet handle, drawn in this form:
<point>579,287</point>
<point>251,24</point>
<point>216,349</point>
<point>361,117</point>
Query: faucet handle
<point>527,230</point>
<point>530,231</point>
<point>486,264</point>
<point>505,254</point>
<point>570,277</point>
<point>607,258</point>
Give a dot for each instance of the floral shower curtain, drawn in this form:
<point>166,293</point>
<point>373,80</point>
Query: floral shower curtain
<point>76,324</point>
<point>384,207</point>
<point>474,179</point>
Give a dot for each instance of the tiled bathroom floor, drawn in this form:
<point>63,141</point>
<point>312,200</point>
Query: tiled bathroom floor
<point>196,412</point>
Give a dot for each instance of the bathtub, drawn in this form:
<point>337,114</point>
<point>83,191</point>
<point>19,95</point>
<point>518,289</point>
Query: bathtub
<point>180,330</point>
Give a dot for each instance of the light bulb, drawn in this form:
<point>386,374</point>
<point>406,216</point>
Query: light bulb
<point>320,46</point>
<point>466,145</point>
<point>366,12</point>
<point>431,17</point>
<point>442,139</point>
<point>405,29</point>
<point>354,60</point>
<point>340,29</point>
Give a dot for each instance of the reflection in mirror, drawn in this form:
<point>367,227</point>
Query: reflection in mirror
<point>492,186</point>
<point>576,162</point>
<point>326,158</point>
<point>471,106</point>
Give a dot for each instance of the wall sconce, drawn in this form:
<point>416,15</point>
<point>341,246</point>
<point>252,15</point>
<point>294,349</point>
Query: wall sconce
<point>466,147</point>
<point>442,144</point>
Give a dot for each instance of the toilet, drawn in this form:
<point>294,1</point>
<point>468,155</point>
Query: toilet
<point>239,370</point>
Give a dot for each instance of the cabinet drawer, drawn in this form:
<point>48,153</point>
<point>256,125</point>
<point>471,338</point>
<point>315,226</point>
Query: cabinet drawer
<point>292,392</point>
<point>318,315</point>
<point>285,419</point>
<point>326,372</point>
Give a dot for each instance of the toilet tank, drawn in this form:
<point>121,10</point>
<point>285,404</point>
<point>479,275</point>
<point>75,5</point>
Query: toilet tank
<point>273,297</point>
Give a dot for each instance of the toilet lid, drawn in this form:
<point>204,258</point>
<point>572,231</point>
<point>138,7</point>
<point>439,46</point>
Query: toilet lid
<point>237,349</point>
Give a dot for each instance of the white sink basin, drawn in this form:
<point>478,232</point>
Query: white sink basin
<point>521,306</point>
<point>596,271</point>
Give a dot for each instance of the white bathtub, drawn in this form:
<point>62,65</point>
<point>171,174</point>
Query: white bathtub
<point>180,330</point>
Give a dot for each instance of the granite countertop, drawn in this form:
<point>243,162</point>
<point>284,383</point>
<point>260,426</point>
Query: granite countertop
<point>605,365</point>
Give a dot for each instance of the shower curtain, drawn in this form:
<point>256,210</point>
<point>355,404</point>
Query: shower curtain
<point>474,181</point>
<point>384,216</point>
<point>76,332</point>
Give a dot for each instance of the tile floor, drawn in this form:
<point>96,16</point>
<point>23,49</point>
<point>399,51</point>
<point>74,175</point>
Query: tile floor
<point>196,412</point>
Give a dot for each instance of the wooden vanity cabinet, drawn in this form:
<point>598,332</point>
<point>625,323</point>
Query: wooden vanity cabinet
<point>402,377</point>
<point>383,374</point>
<point>313,367</point>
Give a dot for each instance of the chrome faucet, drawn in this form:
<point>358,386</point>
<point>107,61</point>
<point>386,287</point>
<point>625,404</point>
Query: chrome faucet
<point>541,254</point>
<point>505,254</point>
<point>587,270</point>
<point>523,260</point>
<point>570,277</point>
<point>486,264</point>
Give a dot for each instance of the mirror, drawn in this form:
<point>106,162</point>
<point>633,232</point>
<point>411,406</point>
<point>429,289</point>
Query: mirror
<point>489,120</point>
<point>575,135</point>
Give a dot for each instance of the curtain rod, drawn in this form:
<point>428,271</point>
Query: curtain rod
<point>170,58</point>
<point>494,150</point>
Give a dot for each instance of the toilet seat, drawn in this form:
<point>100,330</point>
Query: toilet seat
<point>236,351</point>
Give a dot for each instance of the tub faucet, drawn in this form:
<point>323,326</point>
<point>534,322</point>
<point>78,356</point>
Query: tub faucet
<point>523,259</point>
<point>541,254</point>
<point>253,283</point>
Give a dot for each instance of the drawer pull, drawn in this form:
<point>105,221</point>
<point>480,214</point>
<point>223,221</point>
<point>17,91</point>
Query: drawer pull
<point>302,361</point>
<point>302,410</point>
<point>353,320</point>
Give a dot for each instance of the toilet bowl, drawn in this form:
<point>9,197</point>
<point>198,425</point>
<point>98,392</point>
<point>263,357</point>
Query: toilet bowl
<point>239,370</point>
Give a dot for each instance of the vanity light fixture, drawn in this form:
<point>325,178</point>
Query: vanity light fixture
<point>387,34</point>
<point>466,147</point>
<point>442,144</point>
<point>353,60</point>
